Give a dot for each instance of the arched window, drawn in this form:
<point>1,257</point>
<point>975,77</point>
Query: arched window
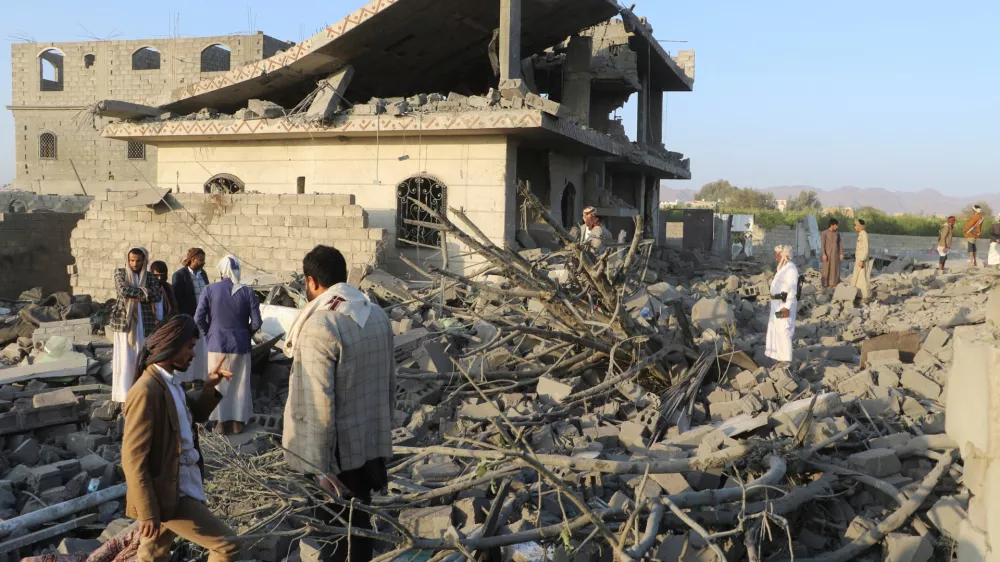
<point>225,184</point>
<point>146,58</point>
<point>409,216</point>
<point>50,70</point>
<point>47,146</point>
<point>88,60</point>
<point>215,58</point>
<point>568,206</point>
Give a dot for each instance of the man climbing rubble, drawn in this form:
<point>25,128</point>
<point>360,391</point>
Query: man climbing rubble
<point>341,393</point>
<point>160,454</point>
<point>862,262</point>
<point>595,234</point>
<point>784,305</point>
<point>944,241</point>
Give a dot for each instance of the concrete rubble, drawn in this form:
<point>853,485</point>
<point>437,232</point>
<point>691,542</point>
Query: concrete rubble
<point>633,392</point>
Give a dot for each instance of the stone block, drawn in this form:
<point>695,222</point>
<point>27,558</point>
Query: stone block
<point>845,293</point>
<point>633,435</point>
<point>606,435</point>
<point>54,398</point>
<point>471,511</point>
<point>44,477</point>
<point>745,381</point>
<point>553,391</point>
<point>671,483</point>
<point>722,411</point>
<point>900,547</point>
<point>876,462</point>
<point>920,384</point>
<point>890,441</point>
<point>946,515</point>
<point>884,357</point>
<point>82,443</point>
<point>93,464</point>
<point>712,314</point>
<point>427,522</point>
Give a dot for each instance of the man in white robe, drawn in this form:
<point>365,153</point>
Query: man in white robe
<point>784,305</point>
<point>132,318</point>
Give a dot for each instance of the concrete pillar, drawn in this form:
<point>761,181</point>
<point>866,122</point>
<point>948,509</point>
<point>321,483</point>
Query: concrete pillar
<point>510,44</point>
<point>656,117</point>
<point>576,85</point>
<point>642,120</point>
<point>328,99</point>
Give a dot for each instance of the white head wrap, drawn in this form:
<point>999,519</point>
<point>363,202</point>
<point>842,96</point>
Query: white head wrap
<point>229,268</point>
<point>784,255</point>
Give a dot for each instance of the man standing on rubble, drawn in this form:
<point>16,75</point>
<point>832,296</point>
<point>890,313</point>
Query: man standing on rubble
<point>229,315</point>
<point>973,230</point>
<point>833,251</point>
<point>189,281</point>
<point>132,318</point>
<point>595,234</point>
<point>167,307</point>
<point>341,392</point>
<point>784,306</point>
<point>160,454</point>
<point>862,264</point>
<point>944,241</point>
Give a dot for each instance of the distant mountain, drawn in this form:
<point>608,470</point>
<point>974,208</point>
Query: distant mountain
<point>927,201</point>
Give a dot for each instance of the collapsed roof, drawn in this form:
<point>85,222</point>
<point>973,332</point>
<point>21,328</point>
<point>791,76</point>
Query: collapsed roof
<point>398,47</point>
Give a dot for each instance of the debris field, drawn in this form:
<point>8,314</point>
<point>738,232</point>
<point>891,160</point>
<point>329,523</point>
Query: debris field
<point>557,404</point>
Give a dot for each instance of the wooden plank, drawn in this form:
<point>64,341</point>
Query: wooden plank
<point>46,534</point>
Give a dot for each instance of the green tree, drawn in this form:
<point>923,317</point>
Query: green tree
<point>750,198</point>
<point>805,201</point>
<point>716,191</point>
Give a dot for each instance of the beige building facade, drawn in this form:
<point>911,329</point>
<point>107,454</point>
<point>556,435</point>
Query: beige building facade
<point>56,86</point>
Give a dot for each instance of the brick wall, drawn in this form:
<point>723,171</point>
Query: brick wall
<point>35,251</point>
<point>271,233</point>
<point>110,76</point>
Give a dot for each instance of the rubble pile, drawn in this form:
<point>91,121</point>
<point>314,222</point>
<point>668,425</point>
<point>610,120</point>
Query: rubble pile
<point>563,404</point>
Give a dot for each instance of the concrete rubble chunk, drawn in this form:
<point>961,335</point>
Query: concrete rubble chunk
<point>54,398</point>
<point>919,384</point>
<point>427,522</point>
<point>884,357</point>
<point>712,314</point>
<point>946,515</point>
<point>876,462</point>
<point>845,293</point>
<point>900,547</point>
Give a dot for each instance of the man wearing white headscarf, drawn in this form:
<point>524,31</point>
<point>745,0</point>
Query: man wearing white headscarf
<point>229,315</point>
<point>784,305</point>
<point>341,394</point>
<point>132,318</point>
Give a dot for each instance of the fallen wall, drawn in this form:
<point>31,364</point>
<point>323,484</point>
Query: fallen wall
<point>34,251</point>
<point>270,233</point>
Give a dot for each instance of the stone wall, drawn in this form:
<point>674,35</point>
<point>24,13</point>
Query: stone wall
<point>93,71</point>
<point>270,233</point>
<point>35,251</point>
<point>478,173</point>
<point>37,202</point>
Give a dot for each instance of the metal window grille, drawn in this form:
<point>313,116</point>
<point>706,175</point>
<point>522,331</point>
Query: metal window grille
<point>47,146</point>
<point>135,151</point>
<point>411,220</point>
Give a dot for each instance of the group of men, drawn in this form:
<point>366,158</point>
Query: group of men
<point>832,250</point>
<point>972,232</point>
<point>337,420</point>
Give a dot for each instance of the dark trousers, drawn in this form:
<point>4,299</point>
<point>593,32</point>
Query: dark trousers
<point>361,482</point>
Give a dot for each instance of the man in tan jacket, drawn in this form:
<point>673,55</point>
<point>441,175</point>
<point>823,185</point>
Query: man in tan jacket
<point>160,454</point>
<point>862,264</point>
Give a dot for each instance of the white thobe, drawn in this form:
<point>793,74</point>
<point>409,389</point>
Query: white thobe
<point>189,478</point>
<point>993,258</point>
<point>237,397</point>
<point>125,356</point>
<point>781,331</point>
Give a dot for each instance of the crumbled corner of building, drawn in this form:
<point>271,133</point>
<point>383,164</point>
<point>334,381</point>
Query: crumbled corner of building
<point>555,388</point>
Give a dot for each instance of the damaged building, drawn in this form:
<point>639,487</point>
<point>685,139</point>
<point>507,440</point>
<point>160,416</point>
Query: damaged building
<point>449,106</point>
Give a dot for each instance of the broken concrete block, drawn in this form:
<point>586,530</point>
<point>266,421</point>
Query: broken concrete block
<point>553,391</point>
<point>745,381</point>
<point>936,340</point>
<point>890,441</point>
<point>262,109</point>
<point>876,462</point>
<point>913,408</point>
<point>946,515</point>
<point>721,395</point>
<point>671,483</point>
<point>633,435</point>
<point>722,411</point>
<point>44,477</point>
<point>845,293</point>
<point>606,435</point>
<point>27,453</point>
<point>920,384</point>
<point>712,314</point>
<point>884,357</point>
<point>82,443</point>
<point>471,511</point>
<point>900,547</point>
<point>54,398</point>
<point>857,386</point>
<point>427,522</point>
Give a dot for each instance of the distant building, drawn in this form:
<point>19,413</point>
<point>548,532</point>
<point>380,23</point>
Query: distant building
<point>781,203</point>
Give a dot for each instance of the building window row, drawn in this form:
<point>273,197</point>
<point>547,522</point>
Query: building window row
<point>48,148</point>
<point>214,58</point>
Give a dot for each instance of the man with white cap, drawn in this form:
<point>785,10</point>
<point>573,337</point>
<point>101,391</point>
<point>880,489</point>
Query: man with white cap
<point>595,234</point>
<point>132,318</point>
<point>229,315</point>
<point>784,305</point>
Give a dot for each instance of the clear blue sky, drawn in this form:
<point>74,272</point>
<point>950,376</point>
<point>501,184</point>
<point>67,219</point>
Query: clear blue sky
<point>899,94</point>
